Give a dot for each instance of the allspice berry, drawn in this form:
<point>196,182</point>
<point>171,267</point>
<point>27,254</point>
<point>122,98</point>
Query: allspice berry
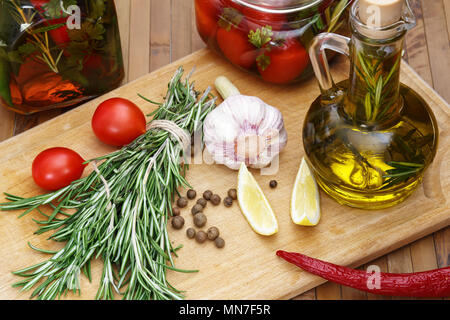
<point>228,202</point>
<point>177,222</point>
<point>196,209</point>
<point>232,193</point>
<point>182,202</point>
<point>215,199</point>
<point>202,202</point>
<point>176,211</point>
<point>207,194</point>
<point>200,219</point>
<point>191,194</point>
<point>219,242</point>
<point>201,236</point>
<point>190,233</point>
<point>273,184</point>
<point>213,233</point>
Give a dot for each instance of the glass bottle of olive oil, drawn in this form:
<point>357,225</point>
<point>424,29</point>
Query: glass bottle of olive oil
<point>370,138</point>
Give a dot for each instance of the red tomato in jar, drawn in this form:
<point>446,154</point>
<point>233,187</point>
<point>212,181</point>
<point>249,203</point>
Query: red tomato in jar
<point>232,38</point>
<point>236,47</point>
<point>231,4</point>
<point>118,122</point>
<point>206,17</point>
<point>39,4</point>
<point>56,168</point>
<point>261,18</point>
<point>59,35</point>
<point>284,62</point>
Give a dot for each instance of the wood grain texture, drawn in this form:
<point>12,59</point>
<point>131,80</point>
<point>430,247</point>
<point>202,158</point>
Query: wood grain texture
<point>247,266</point>
<point>139,61</point>
<point>424,54</point>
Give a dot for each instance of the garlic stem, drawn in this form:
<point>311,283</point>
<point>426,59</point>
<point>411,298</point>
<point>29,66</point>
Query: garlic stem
<point>225,87</point>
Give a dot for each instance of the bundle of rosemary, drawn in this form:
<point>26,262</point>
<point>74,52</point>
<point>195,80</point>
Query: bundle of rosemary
<point>120,211</point>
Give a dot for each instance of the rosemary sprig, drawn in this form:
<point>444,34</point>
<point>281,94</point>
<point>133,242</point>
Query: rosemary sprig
<point>126,229</point>
<point>378,85</point>
<point>401,173</point>
<point>38,38</point>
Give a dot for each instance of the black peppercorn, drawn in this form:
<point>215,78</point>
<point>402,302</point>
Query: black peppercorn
<point>213,233</point>
<point>215,199</point>
<point>191,194</point>
<point>219,242</point>
<point>196,209</point>
<point>232,193</point>
<point>273,184</point>
<point>228,202</point>
<point>176,211</point>
<point>177,222</point>
<point>207,194</point>
<point>190,233</point>
<point>200,219</point>
<point>202,202</point>
<point>182,202</point>
<point>200,237</point>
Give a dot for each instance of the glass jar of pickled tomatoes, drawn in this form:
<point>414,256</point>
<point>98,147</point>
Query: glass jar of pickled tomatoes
<point>269,37</point>
<point>57,53</point>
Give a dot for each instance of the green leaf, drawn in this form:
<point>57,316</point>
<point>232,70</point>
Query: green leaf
<point>393,70</point>
<point>48,28</point>
<point>230,17</point>
<point>337,12</point>
<point>26,49</point>
<point>368,107</point>
<point>378,91</point>
<point>263,61</point>
<point>261,36</point>
<point>53,8</point>
<point>97,9</point>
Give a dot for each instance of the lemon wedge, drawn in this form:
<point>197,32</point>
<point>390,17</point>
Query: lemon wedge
<point>305,201</point>
<point>254,204</point>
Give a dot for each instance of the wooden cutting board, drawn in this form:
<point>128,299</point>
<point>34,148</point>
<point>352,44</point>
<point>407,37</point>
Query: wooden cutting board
<point>247,268</point>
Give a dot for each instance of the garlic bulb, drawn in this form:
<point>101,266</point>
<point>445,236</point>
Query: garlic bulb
<point>244,129</point>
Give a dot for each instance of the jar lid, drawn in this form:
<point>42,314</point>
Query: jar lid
<point>279,6</point>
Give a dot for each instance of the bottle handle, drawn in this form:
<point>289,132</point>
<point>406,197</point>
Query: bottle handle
<point>334,42</point>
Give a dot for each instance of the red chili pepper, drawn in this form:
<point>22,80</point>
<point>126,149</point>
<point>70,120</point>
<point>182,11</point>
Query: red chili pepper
<point>434,283</point>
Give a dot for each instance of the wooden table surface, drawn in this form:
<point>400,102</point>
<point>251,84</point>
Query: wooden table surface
<point>157,32</point>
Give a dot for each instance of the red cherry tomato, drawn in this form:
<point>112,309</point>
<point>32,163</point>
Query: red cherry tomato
<point>283,63</point>
<point>118,122</point>
<point>56,168</point>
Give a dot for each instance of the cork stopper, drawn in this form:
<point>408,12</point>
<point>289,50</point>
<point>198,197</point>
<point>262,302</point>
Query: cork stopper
<point>380,13</point>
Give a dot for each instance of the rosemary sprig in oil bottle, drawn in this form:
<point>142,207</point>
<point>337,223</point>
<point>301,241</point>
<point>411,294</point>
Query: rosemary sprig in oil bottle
<point>123,222</point>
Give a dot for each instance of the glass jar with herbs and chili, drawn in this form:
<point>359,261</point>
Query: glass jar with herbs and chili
<point>269,38</point>
<point>57,53</point>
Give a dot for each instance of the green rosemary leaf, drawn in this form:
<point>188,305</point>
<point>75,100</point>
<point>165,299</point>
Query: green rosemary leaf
<point>378,91</point>
<point>401,165</point>
<point>47,28</point>
<point>337,12</point>
<point>391,73</point>
<point>41,250</point>
<point>368,107</point>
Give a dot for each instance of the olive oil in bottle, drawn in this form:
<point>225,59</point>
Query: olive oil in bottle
<point>370,138</point>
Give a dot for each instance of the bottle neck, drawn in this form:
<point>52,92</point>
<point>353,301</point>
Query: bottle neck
<point>373,96</point>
